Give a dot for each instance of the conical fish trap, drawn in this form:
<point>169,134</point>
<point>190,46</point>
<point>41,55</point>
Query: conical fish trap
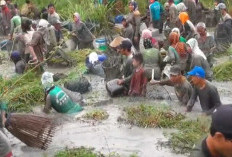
<point>34,131</point>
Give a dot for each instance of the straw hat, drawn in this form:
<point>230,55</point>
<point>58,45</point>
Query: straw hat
<point>116,42</point>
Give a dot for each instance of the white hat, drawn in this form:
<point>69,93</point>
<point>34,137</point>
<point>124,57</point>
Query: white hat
<point>43,23</point>
<point>220,6</point>
<point>93,57</point>
<point>47,79</point>
<point>3,2</point>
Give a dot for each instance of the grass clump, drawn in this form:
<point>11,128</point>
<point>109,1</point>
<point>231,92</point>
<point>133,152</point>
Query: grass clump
<point>79,152</point>
<point>189,133</point>
<point>223,72</point>
<point>97,115</point>
<point>152,116</point>
<point>22,93</point>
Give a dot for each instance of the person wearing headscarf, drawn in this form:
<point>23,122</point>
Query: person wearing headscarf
<point>173,13</point>
<point>176,30</point>
<point>57,98</point>
<point>206,42</point>
<point>19,63</point>
<point>195,48</point>
<point>197,58</point>
<point>147,34</point>
<point>152,59</point>
<point>172,56</point>
<point>156,10</point>
<point>191,9</point>
<point>187,29</point>
<point>134,18</point>
<point>81,35</point>
<point>5,17</point>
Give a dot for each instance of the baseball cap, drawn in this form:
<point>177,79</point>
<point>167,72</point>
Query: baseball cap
<point>126,44</point>
<point>221,119</point>
<point>175,70</point>
<point>220,6</point>
<point>197,71</point>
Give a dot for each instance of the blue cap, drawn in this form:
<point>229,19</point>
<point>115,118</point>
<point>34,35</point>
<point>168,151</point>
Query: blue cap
<point>197,71</point>
<point>102,57</point>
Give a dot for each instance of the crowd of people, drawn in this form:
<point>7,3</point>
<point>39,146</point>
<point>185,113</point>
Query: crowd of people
<point>170,45</point>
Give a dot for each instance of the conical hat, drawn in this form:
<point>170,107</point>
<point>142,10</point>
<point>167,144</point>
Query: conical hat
<point>116,42</point>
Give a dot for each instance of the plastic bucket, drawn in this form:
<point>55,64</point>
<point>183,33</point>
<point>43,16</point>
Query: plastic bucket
<point>101,44</point>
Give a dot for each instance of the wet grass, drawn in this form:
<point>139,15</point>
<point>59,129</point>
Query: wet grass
<point>189,133</point>
<point>152,116</point>
<point>223,72</point>
<point>97,115</point>
<point>86,152</point>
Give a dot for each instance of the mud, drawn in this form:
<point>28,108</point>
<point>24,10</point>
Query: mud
<point>109,135</point>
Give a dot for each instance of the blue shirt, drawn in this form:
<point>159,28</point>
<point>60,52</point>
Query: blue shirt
<point>156,10</point>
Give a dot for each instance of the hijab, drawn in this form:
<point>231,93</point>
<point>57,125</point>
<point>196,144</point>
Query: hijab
<point>184,17</point>
<point>176,30</point>
<point>134,4</point>
<point>173,38</point>
<point>77,15</point>
<point>195,49</point>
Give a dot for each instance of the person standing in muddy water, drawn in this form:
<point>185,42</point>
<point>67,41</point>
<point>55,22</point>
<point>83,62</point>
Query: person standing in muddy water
<point>138,81</point>
<point>56,97</point>
<point>183,88</point>
<point>5,147</point>
<point>134,18</point>
<point>206,91</point>
<point>5,18</point>
<point>81,35</point>
<point>219,142</point>
<point>125,50</point>
<point>206,42</point>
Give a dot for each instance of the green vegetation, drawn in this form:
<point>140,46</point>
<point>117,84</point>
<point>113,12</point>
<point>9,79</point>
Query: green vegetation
<point>152,116</point>
<point>223,72</point>
<point>86,152</point>
<point>96,114</point>
<point>189,133</point>
<point>22,93</point>
<point>79,152</point>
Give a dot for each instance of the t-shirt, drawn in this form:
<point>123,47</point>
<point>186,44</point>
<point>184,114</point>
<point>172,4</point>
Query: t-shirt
<point>209,98</point>
<point>156,10</point>
<point>61,102</point>
<point>201,150</point>
<point>52,18</point>
<point>182,39</point>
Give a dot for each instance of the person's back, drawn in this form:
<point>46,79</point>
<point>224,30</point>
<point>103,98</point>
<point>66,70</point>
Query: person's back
<point>61,102</point>
<point>155,10</point>
<point>129,32</point>
<point>38,44</point>
<point>191,9</point>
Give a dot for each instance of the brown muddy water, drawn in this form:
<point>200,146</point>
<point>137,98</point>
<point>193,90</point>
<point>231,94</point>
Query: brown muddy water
<point>108,136</point>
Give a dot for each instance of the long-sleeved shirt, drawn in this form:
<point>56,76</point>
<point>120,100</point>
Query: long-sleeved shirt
<point>208,96</point>
<point>183,91</point>
<point>127,69</point>
<point>14,23</point>
<point>135,20</point>
<point>156,10</point>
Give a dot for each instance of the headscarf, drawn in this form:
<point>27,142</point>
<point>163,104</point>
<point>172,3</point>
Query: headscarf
<point>181,7</point>
<point>195,49</point>
<point>176,30</point>
<point>173,38</point>
<point>47,80</point>
<point>77,15</point>
<point>134,4</point>
<point>147,34</point>
<point>201,24</point>
<point>147,43</point>
<point>184,17</point>
<point>181,49</point>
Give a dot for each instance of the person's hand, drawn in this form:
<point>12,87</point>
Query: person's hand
<point>34,59</point>
<point>153,82</point>
<point>120,82</point>
<point>94,37</point>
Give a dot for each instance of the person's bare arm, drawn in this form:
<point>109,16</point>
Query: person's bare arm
<point>32,52</point>
<point>3,114</point>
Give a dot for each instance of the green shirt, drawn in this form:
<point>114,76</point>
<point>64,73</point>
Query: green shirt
<point>61,102</point>
<point>182,39</point>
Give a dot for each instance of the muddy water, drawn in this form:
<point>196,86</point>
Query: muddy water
<point>107,136</point>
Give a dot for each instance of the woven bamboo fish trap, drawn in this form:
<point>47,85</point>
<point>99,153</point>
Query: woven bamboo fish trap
<point>35,131</point>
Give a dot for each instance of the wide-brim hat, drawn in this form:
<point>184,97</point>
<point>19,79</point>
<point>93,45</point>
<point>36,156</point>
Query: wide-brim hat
<point>116,42</point>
